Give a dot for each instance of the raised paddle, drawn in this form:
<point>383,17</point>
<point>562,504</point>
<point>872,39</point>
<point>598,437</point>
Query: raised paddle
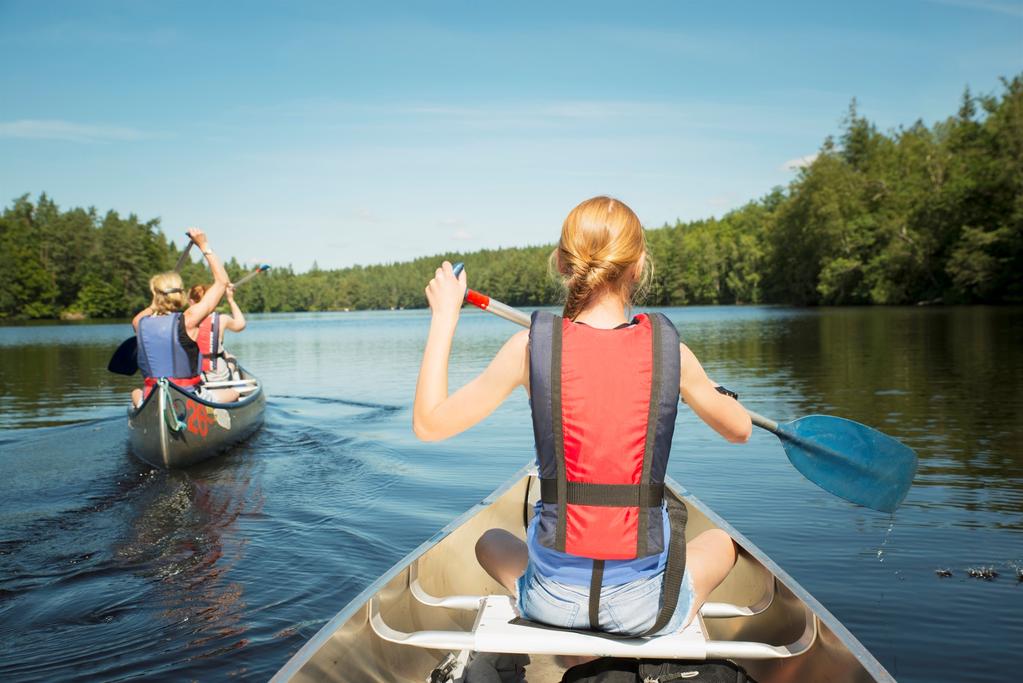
<point>261,269</point>
<point>845,458</point>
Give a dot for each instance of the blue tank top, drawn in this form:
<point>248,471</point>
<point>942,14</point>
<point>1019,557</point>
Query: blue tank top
<point>577,571</point>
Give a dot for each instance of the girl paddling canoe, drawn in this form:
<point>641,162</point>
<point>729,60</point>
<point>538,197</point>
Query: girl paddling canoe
<point>217,364</point>
<point>603,390</point>
<point>166,336</point>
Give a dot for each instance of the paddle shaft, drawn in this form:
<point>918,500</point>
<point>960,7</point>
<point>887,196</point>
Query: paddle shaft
<point>251,275</point>
<point>184,256</point>
<point>485,303</point>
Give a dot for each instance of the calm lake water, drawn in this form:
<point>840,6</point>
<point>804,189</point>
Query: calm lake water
<point>110,570</point>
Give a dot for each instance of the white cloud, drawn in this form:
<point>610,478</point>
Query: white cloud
<point>461,235</point>
<point>799,162</point>
<point>52,129</point>
<point>367,216</point>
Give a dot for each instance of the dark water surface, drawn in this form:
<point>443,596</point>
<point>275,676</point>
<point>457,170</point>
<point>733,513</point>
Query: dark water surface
<point>109,570</point>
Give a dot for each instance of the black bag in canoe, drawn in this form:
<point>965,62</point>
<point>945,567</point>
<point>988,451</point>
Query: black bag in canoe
<point>618,670</point>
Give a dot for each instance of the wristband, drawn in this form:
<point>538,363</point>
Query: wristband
<point>727,392</point>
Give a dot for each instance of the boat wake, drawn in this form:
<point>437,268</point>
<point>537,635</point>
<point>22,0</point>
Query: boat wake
<point>108,566</point>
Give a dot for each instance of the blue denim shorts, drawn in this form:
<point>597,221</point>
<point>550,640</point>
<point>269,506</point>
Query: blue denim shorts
<point>629,608</point>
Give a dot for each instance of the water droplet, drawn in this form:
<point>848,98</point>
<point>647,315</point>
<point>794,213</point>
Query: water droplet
<point>884,541</point>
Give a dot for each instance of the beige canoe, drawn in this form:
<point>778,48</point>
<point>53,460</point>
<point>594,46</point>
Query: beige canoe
<point>437,605</point>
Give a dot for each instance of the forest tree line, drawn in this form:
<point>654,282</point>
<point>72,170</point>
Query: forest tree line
<point>918,214</point>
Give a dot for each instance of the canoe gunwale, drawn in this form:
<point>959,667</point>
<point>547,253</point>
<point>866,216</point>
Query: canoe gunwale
<point>241,402</point>
<point>362,601</point>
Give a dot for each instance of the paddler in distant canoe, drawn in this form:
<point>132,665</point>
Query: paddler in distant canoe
<point>606,549</point>
<point>167,336</point>
<point>218,365</point>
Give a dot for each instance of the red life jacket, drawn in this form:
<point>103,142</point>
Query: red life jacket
<point>209,341</point>
<point>604,404</point>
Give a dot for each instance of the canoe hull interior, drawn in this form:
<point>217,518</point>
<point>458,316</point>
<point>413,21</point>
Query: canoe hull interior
<point>347,649</point>
<point>201,430</point>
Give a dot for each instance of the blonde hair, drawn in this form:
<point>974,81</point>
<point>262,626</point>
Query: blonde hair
<point>168,293</point>
<point>601,246</point>
<point>196,293</point>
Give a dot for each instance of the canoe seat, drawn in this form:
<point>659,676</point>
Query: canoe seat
<point>710,610</point>
<point>498,630</point>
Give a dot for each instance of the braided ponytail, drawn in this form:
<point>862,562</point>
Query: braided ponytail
<point>601,245</point>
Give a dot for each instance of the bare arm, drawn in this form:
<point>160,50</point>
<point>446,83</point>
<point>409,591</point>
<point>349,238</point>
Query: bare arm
<point>148,310</point>
<point>723,413</point>
<point>196,313</point>
<point>236,321</point>
<point>435,414</point>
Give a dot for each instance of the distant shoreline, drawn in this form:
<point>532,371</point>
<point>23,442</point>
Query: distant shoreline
<point>64,322</point>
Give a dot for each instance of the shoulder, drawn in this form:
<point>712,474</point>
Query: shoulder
<point>690,364</point>
<point>515,352</point>
<point>191,317</point>
<point>517,344</point>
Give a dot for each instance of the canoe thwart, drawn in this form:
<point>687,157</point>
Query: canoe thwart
<point>494,631</point>
<point>230,383</point>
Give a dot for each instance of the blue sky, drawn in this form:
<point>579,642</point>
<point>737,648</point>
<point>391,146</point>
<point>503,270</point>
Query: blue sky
<point>376,132</point>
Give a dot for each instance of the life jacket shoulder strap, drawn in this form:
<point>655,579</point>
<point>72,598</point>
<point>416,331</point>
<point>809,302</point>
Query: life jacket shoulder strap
<point>671,584</point>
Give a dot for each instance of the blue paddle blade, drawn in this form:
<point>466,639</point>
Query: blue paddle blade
<point>850,460</point>
<point>125,360</point>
